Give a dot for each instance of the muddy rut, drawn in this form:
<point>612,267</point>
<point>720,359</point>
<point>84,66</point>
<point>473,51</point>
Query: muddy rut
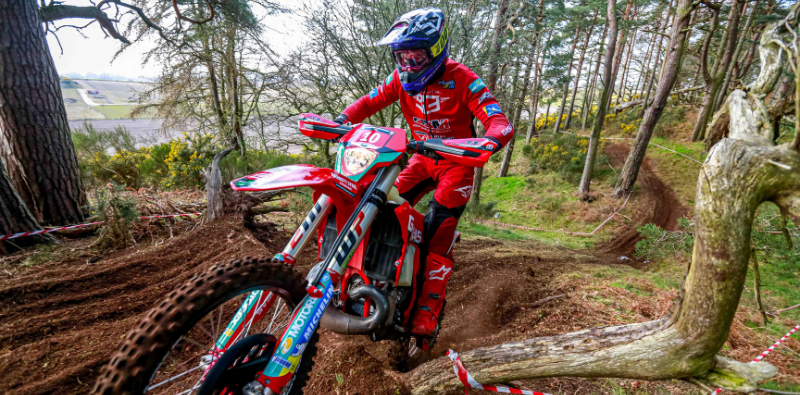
<point>59,324</point>
<point>664,208</point>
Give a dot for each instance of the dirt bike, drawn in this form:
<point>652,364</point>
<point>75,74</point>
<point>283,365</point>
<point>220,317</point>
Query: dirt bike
<point>250,326</point>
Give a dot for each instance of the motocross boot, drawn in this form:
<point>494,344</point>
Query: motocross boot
<point>431,299</point>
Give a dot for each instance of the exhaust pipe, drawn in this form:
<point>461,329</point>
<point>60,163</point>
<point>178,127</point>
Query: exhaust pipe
<point>338,321</point>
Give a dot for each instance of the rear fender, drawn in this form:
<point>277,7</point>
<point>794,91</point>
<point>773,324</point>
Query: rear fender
<point>343,191</point>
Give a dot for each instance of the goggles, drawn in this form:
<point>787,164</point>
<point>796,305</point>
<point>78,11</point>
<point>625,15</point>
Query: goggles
<point>412,60</point>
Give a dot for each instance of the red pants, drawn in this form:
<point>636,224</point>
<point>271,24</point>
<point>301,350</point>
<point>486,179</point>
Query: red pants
<point>453,185</point>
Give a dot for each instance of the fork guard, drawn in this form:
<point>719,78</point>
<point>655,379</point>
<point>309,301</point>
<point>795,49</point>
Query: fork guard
<point>338,321</point>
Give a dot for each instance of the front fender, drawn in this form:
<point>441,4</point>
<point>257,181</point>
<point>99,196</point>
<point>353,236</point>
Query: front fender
<point>323,180</point>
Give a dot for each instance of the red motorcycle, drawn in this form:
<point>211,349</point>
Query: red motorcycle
<point>365,283</point>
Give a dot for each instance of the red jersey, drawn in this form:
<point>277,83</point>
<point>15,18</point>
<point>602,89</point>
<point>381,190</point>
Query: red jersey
<point>443,110</point>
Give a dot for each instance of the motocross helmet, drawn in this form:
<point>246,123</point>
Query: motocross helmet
<point>420,44</point>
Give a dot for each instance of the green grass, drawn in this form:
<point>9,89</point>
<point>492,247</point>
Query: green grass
<point>115,112</point>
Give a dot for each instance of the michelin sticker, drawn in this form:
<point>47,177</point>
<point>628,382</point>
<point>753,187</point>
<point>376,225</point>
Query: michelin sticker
<point>476,86</point>
<point>373,93</point>
<point>492,109</point>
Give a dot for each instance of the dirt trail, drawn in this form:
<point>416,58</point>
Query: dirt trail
<point>662,206</point>
<point>59,324</point>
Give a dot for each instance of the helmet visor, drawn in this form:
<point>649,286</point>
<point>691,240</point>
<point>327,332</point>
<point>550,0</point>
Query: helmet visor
<point>412,60</point>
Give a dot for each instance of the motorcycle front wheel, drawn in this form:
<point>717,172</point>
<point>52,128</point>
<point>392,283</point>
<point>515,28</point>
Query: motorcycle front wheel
<point>171,348</point>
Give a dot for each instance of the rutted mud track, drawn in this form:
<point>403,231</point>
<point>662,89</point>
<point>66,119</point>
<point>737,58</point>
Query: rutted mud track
<point>59,324</point>
<point>663,206</point>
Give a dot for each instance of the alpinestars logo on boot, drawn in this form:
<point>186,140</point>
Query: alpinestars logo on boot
<point>438,274</point>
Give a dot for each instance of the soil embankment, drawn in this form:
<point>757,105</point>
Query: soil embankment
<point>661,205</point>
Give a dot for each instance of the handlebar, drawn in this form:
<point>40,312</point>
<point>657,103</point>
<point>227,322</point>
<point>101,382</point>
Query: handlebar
<point>340,130</point>
<point>433,146</point>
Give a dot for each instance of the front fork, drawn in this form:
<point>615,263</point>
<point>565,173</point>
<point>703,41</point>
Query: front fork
<point>307,314</point>
<point>257,303</point>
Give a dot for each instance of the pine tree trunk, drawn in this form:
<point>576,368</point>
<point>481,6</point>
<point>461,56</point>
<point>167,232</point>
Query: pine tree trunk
<point>646,65</point>
<point>618,52</point>
<point>566,88</point>
<point>35,141</point>
<point>585,102</point>
<point>623,80</point>
<point>578,74</point>
<point>594,77</point>
<point>517,108</point>
<point>15,217</point>
<point>594,139</point>
<point>656,56</point>
<point>538,68</point>
<point>534,98</point>
<point>735,58</point>
<point>497,44</point>
<point>675,49</point>
<point>728,44</point>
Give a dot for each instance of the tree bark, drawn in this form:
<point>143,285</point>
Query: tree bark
<point>757,287</point>
<point>566,88</point>
<point>594,139</point>
<point>735,58</point>
<point>494,58</point>
<point>214,210</point>
<point>656,56</point>
<point>737,176</point>
<point>578,74</point>
<point>594,77</point>
<point>537,69</point>
<point>625,65</point>
<point>671,69</point>
<point>509,149</point>
<point>15,217</point>
<point>35,141</point>
<point>618,57</point>
<point>729,44</point>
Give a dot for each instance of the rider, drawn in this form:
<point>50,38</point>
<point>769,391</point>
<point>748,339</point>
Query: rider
<point>439,98</point>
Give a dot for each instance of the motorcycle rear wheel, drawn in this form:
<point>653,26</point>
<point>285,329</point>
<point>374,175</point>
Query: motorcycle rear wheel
<point>179,332</point>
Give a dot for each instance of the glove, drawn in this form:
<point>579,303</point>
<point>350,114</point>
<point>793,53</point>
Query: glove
<point>341,119</point>
<point>497,145</point>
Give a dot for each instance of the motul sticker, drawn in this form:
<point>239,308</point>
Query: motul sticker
<point>476,86</point>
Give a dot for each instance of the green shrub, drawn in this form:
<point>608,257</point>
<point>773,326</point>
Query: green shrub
<point>118,210</point>
<point>564,153</point>
<point>112,157</point>
<point>659,243</point>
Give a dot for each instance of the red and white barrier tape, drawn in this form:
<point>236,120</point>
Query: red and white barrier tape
<point>767,351</point>
<point>38,232</point>
<point>558,230</point>
<point>470,382</point>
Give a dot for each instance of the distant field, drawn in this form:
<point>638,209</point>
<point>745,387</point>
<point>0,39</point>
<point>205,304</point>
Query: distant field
<point>93,99</point>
